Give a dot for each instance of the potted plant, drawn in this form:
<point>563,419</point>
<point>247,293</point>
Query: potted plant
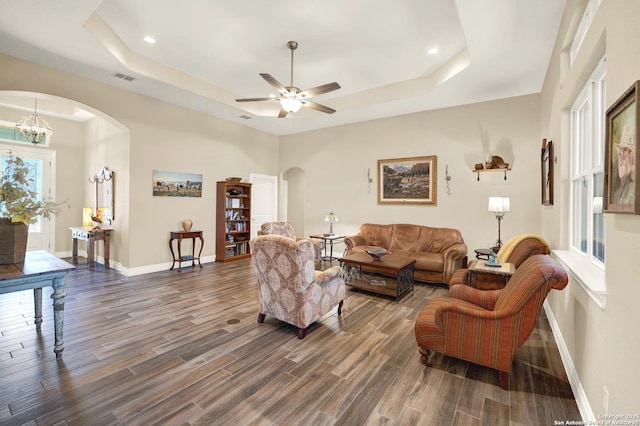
<point>19,207</point>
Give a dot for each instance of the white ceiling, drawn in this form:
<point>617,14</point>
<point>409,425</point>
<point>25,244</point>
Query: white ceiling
<point>209,52</point>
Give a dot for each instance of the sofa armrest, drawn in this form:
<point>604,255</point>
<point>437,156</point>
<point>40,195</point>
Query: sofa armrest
<point>453,257</point>
<point>354,240</point>
<point>484,298</point>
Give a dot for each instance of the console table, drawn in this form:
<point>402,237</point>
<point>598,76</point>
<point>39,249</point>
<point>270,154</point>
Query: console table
<point>91,235</point>
<point>40,269</point>
<point>179,236</point>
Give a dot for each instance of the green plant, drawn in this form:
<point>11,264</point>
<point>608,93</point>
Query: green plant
<point>18,202</point>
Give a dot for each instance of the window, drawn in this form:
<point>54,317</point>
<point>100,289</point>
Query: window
<point>581,31</point>
<point>587,168</point>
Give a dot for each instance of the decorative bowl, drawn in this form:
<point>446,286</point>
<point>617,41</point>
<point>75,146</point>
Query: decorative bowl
<point>377,254</point>
<point>234,179</point>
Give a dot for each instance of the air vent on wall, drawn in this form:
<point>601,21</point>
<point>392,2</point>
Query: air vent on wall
<point>124,76</point>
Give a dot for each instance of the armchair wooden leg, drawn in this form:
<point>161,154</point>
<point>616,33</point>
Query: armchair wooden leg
<point>503,378</point>
<point>424,355</point>
<point>261,317</point>
<point>302,332</point>
<point>340,307</point>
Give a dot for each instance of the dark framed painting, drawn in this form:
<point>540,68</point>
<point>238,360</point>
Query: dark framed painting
<point>546,168</point>
<point>621,190</point>
<point>409,180</point>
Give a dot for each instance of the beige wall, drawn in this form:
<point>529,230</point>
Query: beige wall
<point>336,160</point>
<point>163,137</point>
<point>603,343</point>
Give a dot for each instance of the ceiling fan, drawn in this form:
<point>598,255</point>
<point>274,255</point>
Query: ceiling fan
<point>292,98</point>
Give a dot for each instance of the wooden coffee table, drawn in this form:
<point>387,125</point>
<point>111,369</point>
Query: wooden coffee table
<point>392,275</point>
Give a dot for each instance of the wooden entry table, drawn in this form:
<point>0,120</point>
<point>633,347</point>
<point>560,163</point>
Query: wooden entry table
<point>179,236</point>
<point>91,235</point>
<point>390,276</point>
<point>40,269</point>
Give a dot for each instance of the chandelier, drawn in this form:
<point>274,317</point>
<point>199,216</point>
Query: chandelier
<point>33,128</point>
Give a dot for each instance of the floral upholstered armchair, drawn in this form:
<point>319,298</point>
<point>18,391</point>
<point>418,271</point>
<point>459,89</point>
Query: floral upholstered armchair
<point>289,287</point>
<point>286,230</point>
<point>487,327</point>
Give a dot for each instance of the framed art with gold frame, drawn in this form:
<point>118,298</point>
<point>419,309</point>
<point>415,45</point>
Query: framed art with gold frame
<point>409,180</point>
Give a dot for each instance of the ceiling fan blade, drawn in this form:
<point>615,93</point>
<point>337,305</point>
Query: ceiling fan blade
<point>317,106</point>
<point>275,83</point>
<point>256,99</point>
<point>325,88</point>
<point>283,113</point>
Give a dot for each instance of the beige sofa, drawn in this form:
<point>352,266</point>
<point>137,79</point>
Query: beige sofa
<point>438,251</point>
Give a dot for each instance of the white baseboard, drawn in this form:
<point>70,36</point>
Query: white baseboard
<point>140,270</point>
<point>578,391</point>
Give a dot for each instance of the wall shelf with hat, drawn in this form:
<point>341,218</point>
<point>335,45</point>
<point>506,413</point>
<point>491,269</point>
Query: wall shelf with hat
<point>495,164</point>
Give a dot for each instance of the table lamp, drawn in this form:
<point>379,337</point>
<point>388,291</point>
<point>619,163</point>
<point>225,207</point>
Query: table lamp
<point>499,206</point>
<point>331,217</point>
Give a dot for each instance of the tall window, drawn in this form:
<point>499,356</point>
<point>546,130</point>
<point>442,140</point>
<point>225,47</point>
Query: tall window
<point>585,22</point>
<point>587,167</point>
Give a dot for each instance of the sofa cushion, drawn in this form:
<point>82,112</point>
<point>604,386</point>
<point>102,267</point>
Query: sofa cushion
<point>437,240</point>
<point>377,235</point>
<point>428,261</point>
<point>405,237</point>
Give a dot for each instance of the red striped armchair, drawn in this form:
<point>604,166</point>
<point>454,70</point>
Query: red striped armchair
<point>487,327</point>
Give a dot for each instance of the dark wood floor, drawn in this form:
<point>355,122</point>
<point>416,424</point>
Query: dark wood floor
<point>186,349</point>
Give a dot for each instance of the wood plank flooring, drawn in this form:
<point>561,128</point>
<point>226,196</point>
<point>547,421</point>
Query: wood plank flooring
<point>185,348</point>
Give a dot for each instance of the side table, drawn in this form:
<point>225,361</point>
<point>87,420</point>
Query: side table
<point>485,277</point>
<point>91,235</point>
<point>179,236</point>
<point>483,253</point>
<point>332,239</point>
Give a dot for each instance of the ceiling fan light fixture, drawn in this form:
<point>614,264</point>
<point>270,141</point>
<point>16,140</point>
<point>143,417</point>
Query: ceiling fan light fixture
<point>290,105</point>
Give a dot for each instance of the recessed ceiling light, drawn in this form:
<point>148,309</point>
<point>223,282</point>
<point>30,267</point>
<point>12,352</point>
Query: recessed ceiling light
<point>149,39</point>
<point>432,51</point>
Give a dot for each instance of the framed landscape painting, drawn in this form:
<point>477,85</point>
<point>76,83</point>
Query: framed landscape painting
<point>407,180</point>
<point>176,184</point>
<point>621,189</point>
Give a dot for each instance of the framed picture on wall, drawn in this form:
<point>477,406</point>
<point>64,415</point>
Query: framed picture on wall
<point>621,189</point>
<point>407,180</point>
<point>546,163</point>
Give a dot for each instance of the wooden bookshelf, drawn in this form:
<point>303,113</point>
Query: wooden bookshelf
<point>233,221</point>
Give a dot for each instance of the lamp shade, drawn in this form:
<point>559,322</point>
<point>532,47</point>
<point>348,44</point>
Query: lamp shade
<point>331,217</point>
<point>499,204</point>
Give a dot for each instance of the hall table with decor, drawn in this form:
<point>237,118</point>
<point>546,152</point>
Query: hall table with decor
<point>179,236</point>
<point>40,269</point>
<point>91,235</point>
<point>391,275</point>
